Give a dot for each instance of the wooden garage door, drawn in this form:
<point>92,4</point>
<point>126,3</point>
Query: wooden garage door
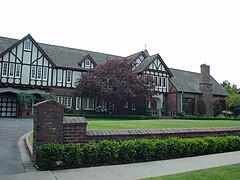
<point>8,106</point>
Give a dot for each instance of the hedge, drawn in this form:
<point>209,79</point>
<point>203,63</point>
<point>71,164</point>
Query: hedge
<point>108,116</point>
<point>54,156</point>
<point>206,118</point>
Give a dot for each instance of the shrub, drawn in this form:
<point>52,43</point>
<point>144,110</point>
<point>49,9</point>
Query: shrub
<point>68,110</point>
<point>201,107</point>
<point>127,151</point>
<point>112,152</point>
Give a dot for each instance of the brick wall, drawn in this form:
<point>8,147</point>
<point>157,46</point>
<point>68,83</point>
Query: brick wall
<point>98,135</point>
<point>75,130</point>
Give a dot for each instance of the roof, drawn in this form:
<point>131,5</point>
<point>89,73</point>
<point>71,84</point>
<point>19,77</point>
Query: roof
<point>62,56</point>
<point>142,66</point>
<point>186,81</point>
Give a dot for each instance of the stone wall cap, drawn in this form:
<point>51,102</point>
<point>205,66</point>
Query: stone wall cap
<point>49,101</point>
<point>73,120</point>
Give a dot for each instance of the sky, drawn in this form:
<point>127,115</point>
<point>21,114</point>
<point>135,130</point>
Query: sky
<point>186,33</point>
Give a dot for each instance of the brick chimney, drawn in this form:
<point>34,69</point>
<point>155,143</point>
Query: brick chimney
<point>205,86</point>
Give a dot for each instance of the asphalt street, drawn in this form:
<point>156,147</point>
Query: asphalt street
<point>11,129</point>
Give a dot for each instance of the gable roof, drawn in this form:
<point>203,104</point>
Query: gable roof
<point>59,55</point>
<point>186,81</point>
<point>146,62</point>
<point>6,44</point>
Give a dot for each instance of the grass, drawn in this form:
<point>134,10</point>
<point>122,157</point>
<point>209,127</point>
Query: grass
<point>230,172</point>
<point>140,124</point>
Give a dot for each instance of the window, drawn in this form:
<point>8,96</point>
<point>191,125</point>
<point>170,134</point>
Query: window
<point>87,63</point>
<point>27,45</point>
<point>11,70</point>
<point>33,72</point>
<point>69,76</point>
<point>39,72</point>
<point>5,69</point>
<point>68,102</point>
<point>88,103</point>
<point>133,105</point>
<point>156,80</point>
<point>164,82</point>
<point>59,76</point>
<point>17,70</point>
<point>45,73</point>
<point>160,81</point>
<point>125,104</point>
<point>78,103</point>
<point>59,99</point>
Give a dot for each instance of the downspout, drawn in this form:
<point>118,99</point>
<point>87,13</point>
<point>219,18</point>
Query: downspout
<point>181,101</point>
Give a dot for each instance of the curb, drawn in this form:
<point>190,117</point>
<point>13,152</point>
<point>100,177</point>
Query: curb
<point>25,153</point>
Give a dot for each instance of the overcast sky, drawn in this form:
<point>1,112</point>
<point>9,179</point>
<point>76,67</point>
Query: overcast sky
<point>186,33</point>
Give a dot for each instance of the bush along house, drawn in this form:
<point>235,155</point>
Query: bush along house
<point>30,71</point>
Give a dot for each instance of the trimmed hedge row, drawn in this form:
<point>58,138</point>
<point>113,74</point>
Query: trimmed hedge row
<point>206,118</point>
<point>55,156</point>
<point>108,116</point>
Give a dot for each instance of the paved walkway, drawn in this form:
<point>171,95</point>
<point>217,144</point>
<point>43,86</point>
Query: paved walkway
<point>126,171</point>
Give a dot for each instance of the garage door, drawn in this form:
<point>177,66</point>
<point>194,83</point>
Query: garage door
<point>8,106</point>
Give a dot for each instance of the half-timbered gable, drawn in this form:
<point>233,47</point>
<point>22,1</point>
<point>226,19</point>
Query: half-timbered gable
<point>25,63</point>
<point>155,67</point>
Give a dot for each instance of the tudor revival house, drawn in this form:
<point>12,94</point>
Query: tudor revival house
<point>36,68</point>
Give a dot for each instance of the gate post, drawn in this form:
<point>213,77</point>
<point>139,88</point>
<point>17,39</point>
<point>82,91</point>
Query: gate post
<point>47,125</point>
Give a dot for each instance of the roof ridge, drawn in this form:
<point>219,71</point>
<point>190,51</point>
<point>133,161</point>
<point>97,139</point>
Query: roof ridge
<point>184,70</point>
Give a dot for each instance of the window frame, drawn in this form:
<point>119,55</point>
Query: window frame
<point>39,72</point>
<point>33,72</point>
<point>69,76</point>
<point>5,69</point>
<point>59,75</point>
<point>27,45</point>
<point>17,70</point>
<point>45,73</point>
<point>11,70</point>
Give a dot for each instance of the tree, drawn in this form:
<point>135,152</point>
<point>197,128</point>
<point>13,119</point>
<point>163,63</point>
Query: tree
<point>115,82</point>
<point>233,100</point>
<point>201,107</point>
<point>230,88</point>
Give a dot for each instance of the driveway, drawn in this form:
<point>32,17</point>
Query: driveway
<point>11,129</point>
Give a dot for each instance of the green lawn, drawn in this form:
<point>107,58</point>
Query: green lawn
<point>140,124</point>
<point>231,172</point>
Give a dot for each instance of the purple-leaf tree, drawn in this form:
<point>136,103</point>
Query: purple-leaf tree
<point>115,82</point>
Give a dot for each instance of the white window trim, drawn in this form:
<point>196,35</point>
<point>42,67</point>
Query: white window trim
<point>69,76</point>
<point>39,73</point>
<point>88,100</point>
<point>5,68</point>
<point>78,103</point>
<point>45,73</point>
<point>17,70</point>
<point>164,83</point>
<point>33,75</point>
<point>59,75</point>
<point>26,47</point>
<point>68,102</point>
<point>11,69</point>
<point>59,99</point>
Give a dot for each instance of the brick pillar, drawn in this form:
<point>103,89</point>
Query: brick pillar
<point>75,130</point>
<point>205,86</point>
<point>47,125</point>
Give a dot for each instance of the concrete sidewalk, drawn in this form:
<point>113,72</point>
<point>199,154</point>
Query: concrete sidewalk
<point>133,171</point>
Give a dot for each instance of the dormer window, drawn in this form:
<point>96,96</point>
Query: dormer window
<point>27,45</point>
<point>141,58</point>
<point>87,63</point>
